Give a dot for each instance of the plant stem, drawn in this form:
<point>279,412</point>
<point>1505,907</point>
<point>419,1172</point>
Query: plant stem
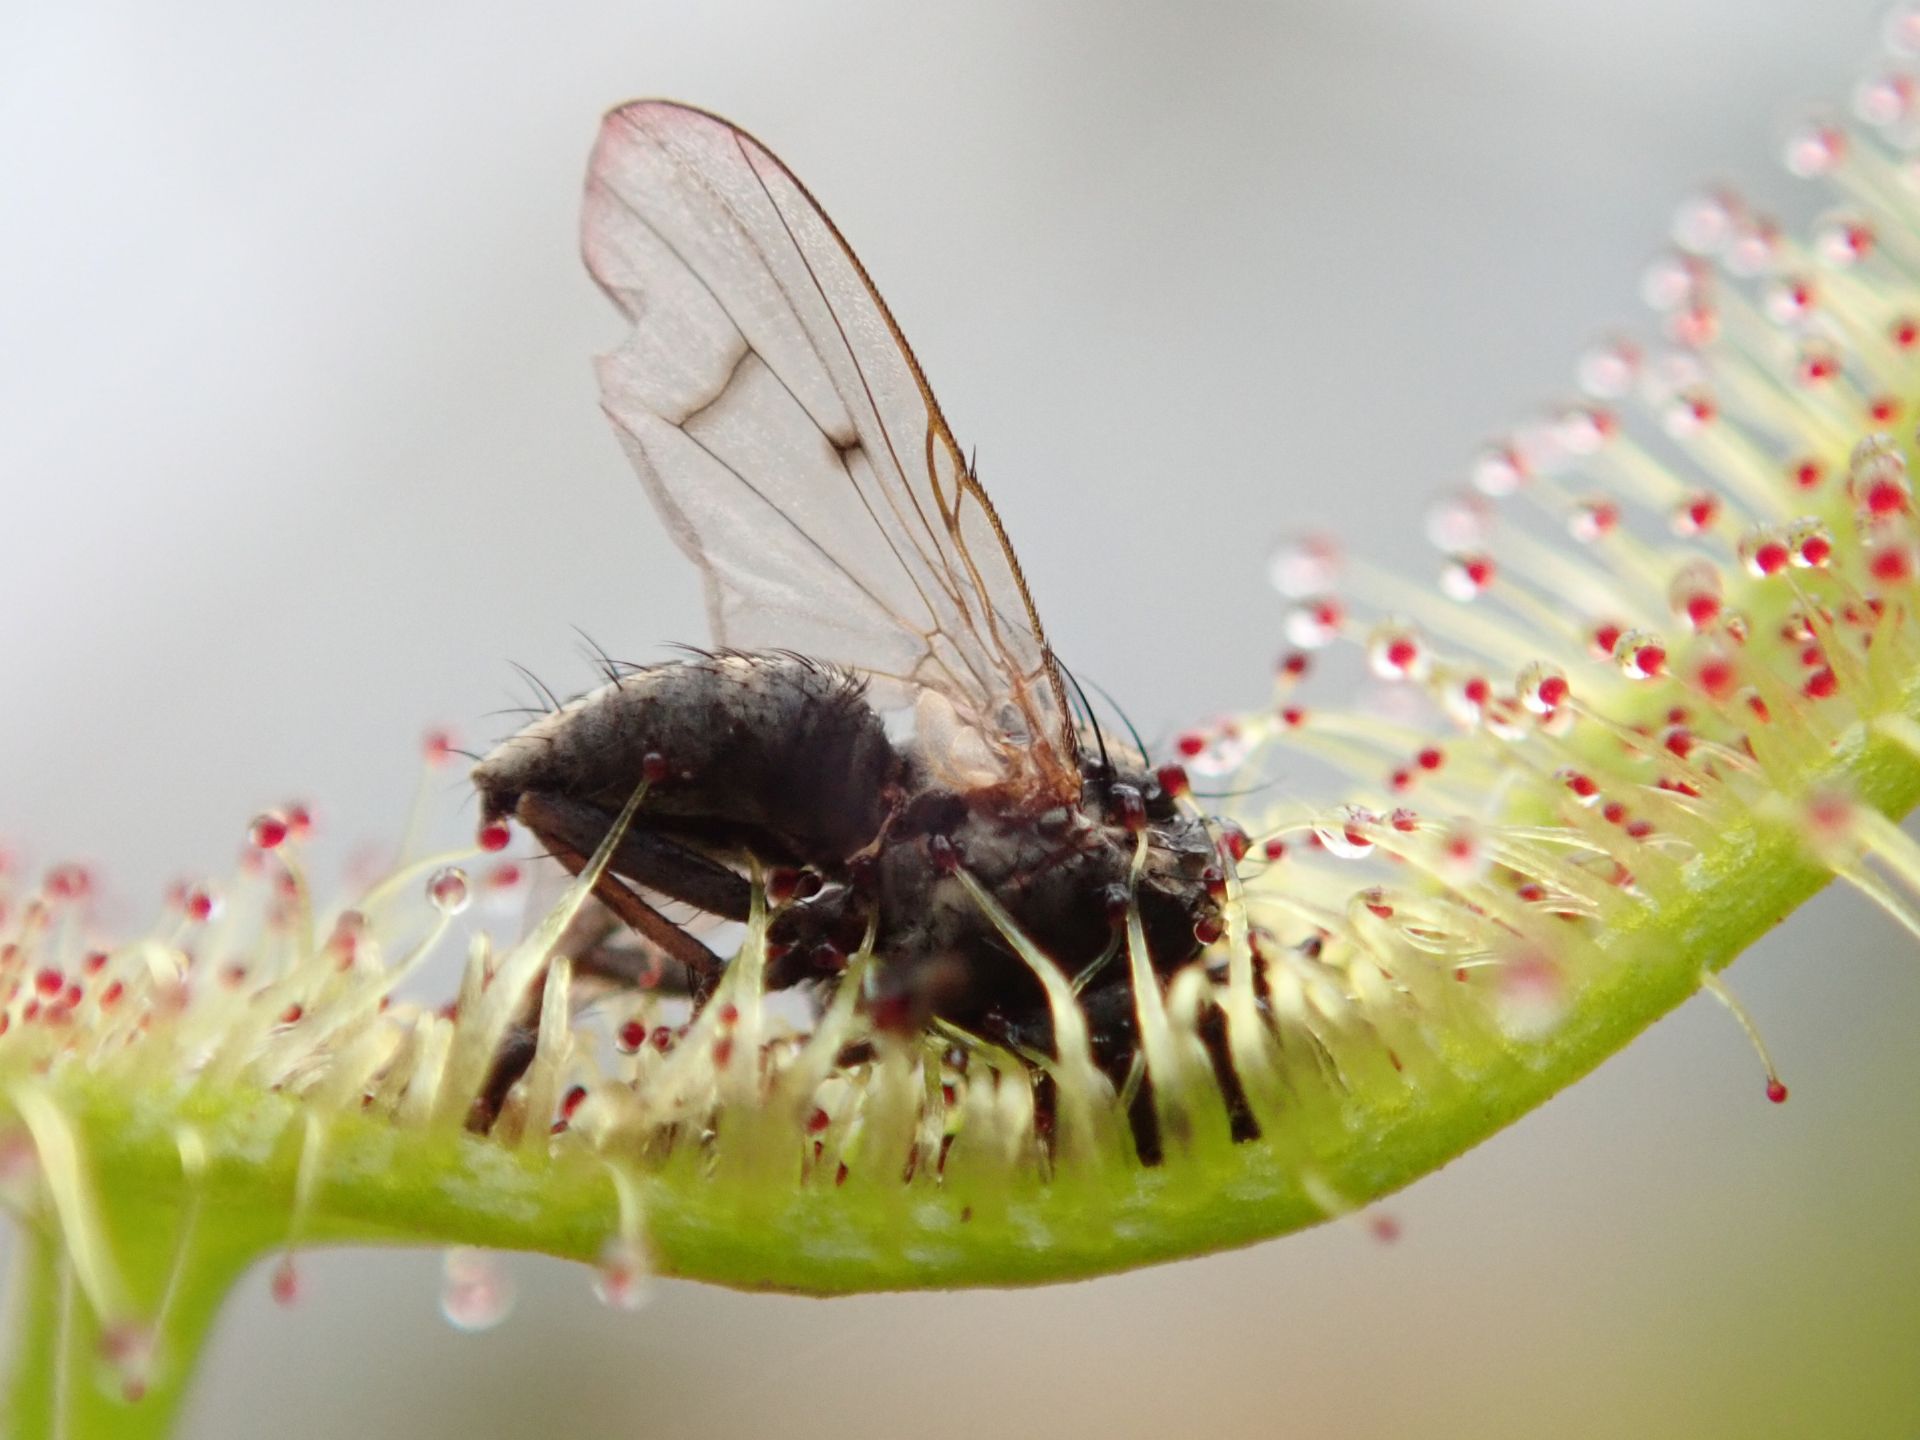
<point>62,1384</point>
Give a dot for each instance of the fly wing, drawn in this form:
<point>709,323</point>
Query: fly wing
<point>785,432</point>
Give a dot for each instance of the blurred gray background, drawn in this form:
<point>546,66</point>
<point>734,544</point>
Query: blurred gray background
<point>299,447</point>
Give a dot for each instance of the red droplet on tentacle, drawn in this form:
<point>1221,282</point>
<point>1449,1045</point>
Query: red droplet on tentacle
<point>1234,840</point>
<point>1892,564</point>
<point>198,904</point>
<point>944,853</point>
<point>269,831</point>
<point>69,882</point>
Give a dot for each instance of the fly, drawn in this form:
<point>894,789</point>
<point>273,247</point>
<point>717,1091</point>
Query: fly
<point>881,706</point>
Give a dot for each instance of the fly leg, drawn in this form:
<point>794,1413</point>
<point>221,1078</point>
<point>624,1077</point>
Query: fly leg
<point>572,831</point>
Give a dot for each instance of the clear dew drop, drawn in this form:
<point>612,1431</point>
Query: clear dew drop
<point>1809,544</point>
<point>447,888</point>
<point>1593,519</point>
<point>1885,99</point>
<point>1466,577</point>
<point>1877,476</point>
<point>1304,565</point>
<point>1815,147</point>
<point>1460,520</point>
<point>1314,624</point>
<point>623,1280</point>
<point>1584,430</point>
<point>1543,688</point>
<point>1789,299</point>
<point>1689,412</point>
<point>1344,833</point>
<point>1875,451</point>
<point>1694,594</point>
<point>1763,551</point>
<point>1704,223</point>
<point>1609,369</point>
<point>1842,238</point>
<point>1395,651</point>
<point>476,1293</point>
<point>1639,654</point>
<point>1499,470</point>
<point>1223,755</point>
<point>1670,281</point>
<point>1756,248</point>
<point>1505,719</point>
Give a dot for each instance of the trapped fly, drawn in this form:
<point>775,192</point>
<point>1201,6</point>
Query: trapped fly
<point>881,707</point>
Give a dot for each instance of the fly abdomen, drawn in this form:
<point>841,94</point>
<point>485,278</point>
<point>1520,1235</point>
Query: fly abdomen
<point>770,754</point>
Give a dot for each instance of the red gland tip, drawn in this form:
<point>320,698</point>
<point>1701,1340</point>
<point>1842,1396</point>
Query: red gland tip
<point>1776,1092</point>
<point>1128,808</point>
<point>1234,840</point>
<point>198,903</point>
<point>269,831</point>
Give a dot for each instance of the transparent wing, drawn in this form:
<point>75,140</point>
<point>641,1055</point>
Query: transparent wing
<point>784,430</point>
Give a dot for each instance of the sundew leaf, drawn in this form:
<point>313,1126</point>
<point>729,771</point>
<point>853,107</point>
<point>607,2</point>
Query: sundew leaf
<point>1664,690</point>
